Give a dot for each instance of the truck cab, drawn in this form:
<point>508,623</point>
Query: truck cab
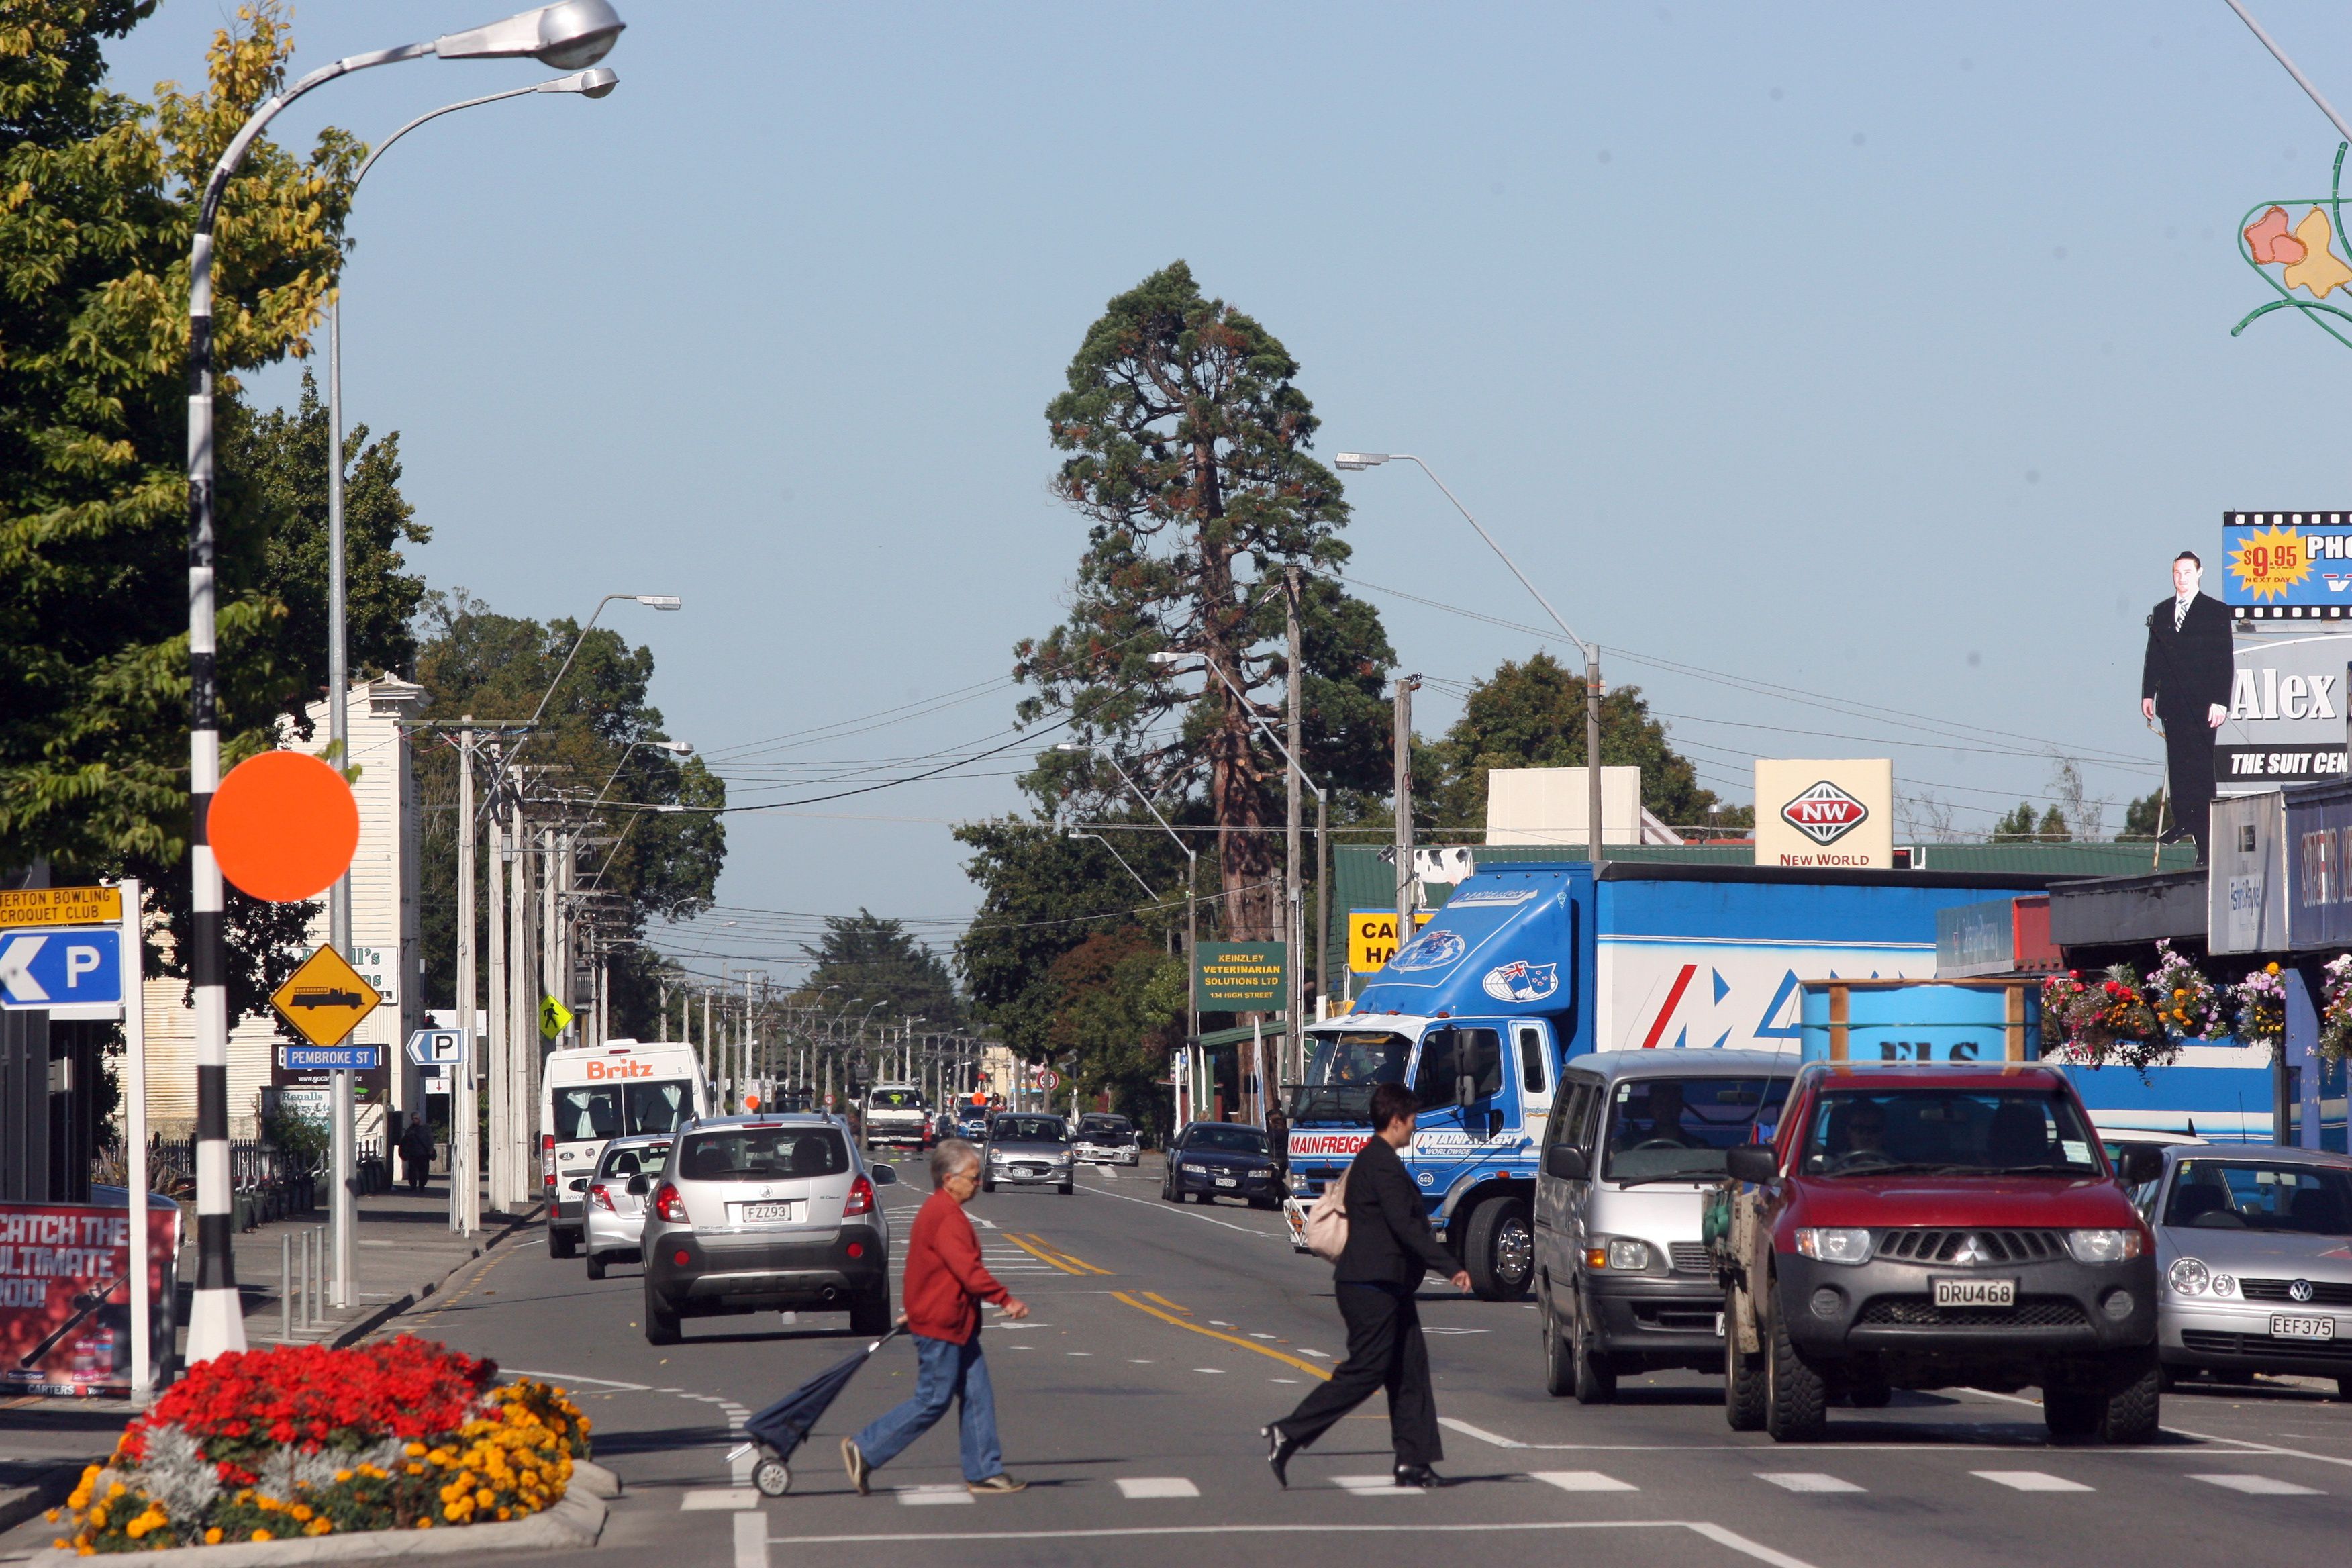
<point>897,1114</point>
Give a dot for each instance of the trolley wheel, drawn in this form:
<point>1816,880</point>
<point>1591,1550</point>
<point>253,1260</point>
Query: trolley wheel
<point>772,1477</point>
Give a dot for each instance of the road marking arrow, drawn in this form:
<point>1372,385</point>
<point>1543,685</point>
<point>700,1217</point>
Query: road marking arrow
<point>16,969</point>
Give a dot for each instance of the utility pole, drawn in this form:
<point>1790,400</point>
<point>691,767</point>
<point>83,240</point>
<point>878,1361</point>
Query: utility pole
<point>1294,899</point>
<point>523,1026</point>
<point>465,1193</point>
<point>1405,688</point>
<point>709,1057</point>
<point>501,1013</point>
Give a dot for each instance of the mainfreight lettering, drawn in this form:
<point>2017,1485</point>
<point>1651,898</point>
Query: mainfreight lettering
<point>1530,965</point>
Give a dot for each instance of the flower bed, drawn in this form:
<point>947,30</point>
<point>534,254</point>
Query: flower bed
<point>302,1440</point>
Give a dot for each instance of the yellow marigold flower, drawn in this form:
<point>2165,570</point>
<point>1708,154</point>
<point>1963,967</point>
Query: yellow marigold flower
<point>319,1526</point>
<point>485,1498</point>
<point>115,1491</point>
<point>341,1475</point>
<point>415,1449</point>
<point>506,1513</point>
<point>303,1511</point>
<point>454,1512</point>
<point>213,1536</point>
<point>425,1524</point>
<point>263,1535</point>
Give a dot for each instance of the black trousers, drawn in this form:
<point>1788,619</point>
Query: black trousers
<point>1385,1350</point>
<point>2189,777</point>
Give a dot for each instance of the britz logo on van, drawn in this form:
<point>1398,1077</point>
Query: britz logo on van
<point>1347,1143</point>
<point>1824,813</point>
<point>596,1072</point>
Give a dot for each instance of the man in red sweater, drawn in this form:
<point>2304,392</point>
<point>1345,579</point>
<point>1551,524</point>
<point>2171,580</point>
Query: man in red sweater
<point>946,1282</point>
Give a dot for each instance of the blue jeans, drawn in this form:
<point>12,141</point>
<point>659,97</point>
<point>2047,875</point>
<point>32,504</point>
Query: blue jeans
<point>944,1371</point>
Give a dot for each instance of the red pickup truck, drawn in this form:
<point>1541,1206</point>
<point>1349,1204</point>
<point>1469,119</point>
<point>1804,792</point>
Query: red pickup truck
<point>1930,1226</point>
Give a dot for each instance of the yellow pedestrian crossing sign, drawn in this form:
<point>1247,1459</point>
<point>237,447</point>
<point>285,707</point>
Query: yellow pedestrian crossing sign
<point>554,1017</point>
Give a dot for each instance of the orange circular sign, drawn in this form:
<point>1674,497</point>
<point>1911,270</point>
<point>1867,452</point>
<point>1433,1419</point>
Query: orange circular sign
<point>283,827</point>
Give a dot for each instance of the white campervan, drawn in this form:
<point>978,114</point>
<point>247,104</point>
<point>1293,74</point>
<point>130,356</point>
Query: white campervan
<point>595,1094</point>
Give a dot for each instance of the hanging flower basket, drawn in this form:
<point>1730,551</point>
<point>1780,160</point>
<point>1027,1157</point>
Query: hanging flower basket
<point>302,1440</point>
<point>2107,1018</point>
<point>2188,1006</point>
<point>2336,1016</point>
<point>2261,1003</point>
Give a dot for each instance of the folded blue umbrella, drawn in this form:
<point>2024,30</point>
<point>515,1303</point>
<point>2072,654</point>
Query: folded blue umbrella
<point>785,1426</point>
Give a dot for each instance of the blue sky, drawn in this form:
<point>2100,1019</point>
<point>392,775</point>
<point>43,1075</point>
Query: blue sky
<point>1877,352</point>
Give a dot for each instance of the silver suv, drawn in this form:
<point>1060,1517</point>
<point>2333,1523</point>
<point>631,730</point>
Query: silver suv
<point>618,1195</point>
<point>764,1213</point>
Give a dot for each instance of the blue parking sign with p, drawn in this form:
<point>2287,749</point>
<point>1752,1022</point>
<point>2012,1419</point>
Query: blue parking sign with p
<point>72,967</point>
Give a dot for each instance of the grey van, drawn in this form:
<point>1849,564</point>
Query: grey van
<point>1624,1283</point>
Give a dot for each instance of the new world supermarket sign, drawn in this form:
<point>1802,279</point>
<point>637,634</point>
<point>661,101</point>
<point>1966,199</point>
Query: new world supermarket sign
<point>1816,812</point>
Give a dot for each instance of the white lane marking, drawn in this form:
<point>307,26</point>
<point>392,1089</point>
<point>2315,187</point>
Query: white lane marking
<point>710,1499</point>
<point>1138,1360</point>
<point>1374,1486</point>
<point>1282,1380</point>
<point>1464,1426</point>
<point>1318,1356</point>
<point>1137,1486</point>
<point>600,1382</point>
<point>1189,1212</point>
<point>1707,1529</point>
<point>1582,1481</point>
<point>2030,1480</point>
<point>1806,1481</point>
<point>1079,1352</point>
<point>920,1497</point>
<point>2241,1447</point>
<point>751,1539</point>
<point>1212,1370</point>
<point>2261,1486</point>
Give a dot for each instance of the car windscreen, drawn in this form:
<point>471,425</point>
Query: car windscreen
<point>895,1099</point>
<point>1105,1128</point>
<point>2254,1195</point>
<point>1225,1139</point>
<point>1963,1131</point>
<point>762,1154</point>
<point>1367,1057</point>
<point>639,1160</point>
<point>1026,1130</point>
<point>1669,1129</point>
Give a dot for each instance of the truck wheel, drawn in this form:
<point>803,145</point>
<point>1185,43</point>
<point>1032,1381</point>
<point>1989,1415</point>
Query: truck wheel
<point>560,1243</point>
<point>1795,1402</point>
<point>596,1265</point>
<point>871,1314</point>
<point>1499,1251</point>
<point>662,1327</point>
<point>2130,1410</point>
<point>1745,1380</point>
<point>1594,1379</point>
<point>1559,1376</point>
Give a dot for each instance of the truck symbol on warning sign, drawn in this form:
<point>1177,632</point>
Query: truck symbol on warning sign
<point>1824,813</point>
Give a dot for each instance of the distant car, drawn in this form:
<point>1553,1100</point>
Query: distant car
<point>972,1122</point>
<point>1210,1160</point>
<point>1106,1141</point>
<point>324,996</point>
<point>1027,1150</point>
<point>764,1213</point>
<point>2116,1140</point>
<point>2252,1243</point>
<point>617,1196</point>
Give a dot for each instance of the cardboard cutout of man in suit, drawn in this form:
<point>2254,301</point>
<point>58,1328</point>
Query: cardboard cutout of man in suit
<point>2184,682</point>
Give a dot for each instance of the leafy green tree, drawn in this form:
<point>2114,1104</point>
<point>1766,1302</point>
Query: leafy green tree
<point>1531,715</point>
<point>2144,817</point>
<point>870,957</point>
<point>2021,824</point>
<point>1119,1010</point>
<point>1186,438</point>
<point>595,743</point>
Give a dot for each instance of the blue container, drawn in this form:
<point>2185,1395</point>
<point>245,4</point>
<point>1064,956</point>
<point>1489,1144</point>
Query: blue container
<point>1922,1020</point>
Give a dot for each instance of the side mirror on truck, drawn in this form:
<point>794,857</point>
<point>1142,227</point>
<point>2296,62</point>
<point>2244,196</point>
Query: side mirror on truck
<point>2139,1164</point>
<point>1567,1162</point>
<point>1750,1163</point>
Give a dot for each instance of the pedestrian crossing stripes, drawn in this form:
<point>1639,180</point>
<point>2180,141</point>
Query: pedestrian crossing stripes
<point>1139,1487</point>
<point>922,1497</point>
<point>2030,1481</point>
<point>1582,1481</point>
<point>2260,1486</point>
<point>1806,1481</point>
<point>1374,1486</point>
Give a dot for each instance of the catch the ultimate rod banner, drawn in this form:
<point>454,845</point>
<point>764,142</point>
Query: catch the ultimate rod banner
<point>2284,577</point>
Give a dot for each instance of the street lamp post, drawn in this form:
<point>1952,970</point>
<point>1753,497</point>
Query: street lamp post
<point>1592,651</point>
<point>574,34</point>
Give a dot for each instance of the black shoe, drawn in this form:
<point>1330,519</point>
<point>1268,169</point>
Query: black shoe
<point>1420,1478</point>
<point>1278,1449</point>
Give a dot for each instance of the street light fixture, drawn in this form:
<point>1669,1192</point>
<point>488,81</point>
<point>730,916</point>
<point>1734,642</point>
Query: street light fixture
<point>568,35</point>
<point>1355,461</point>
<point>1192,876</point>
<point>1074,833</point>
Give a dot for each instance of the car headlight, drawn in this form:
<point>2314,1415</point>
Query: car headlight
<point>1823,1245</point>
<point>2103,1246</point>
<point>2188,1277</point>
<point>1632,1257</point>
<point>1196,1168</point>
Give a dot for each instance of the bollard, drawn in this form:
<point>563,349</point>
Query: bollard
<point>286,1286</point>
<point>302,1283</point>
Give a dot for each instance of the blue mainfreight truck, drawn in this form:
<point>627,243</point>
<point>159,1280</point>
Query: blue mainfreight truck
<point>1530,964</point>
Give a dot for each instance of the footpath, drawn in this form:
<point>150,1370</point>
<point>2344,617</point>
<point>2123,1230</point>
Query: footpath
<point>405,1250</point>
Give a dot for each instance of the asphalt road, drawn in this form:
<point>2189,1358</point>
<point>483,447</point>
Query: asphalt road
<point>1163,1336</point>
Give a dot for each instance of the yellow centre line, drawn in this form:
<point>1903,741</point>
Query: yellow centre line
<point>1043,1254</point>
<point>1062,1256</point>
<point>1152,1296</point>
<point>1229,1338</point>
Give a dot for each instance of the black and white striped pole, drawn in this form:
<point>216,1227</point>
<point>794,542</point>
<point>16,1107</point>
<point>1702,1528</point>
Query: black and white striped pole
<point>574,34</point>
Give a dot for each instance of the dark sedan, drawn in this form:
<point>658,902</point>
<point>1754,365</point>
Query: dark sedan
<point>1210,1160</point>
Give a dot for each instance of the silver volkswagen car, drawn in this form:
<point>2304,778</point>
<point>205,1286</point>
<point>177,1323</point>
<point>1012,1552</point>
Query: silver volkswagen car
<point>619,1193</point>
<point>1026,1150</point>
<point>764,1213</point>
<point>2254,1246</point>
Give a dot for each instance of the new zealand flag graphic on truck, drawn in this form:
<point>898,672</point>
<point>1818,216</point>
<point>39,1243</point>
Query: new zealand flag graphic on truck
<point>1520,981</point>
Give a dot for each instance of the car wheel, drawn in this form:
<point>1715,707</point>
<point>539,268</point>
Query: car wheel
<point>1168,1194</point>
<point>1745,1382</point>
<point>596,1265</point>
<point>1593,1379</point>
<point>1500,1249</point>
<point>2071,1412</point>
<point>561,1244</point>
<point>1560,1378</point>
<point>870,1314</point>
<point>2130,1402</point>
<point>1064,1189</point>
<point>662,1326</point>
<point>987,1186</point>
<point>1795,1402</point>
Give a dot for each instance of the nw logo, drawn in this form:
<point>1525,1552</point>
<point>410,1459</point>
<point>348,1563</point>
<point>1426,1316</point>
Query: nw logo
<point>1824,813</point>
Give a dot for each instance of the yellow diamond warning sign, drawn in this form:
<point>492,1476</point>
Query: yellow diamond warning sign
<point>554,1017</point>
<point>325,999</point>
